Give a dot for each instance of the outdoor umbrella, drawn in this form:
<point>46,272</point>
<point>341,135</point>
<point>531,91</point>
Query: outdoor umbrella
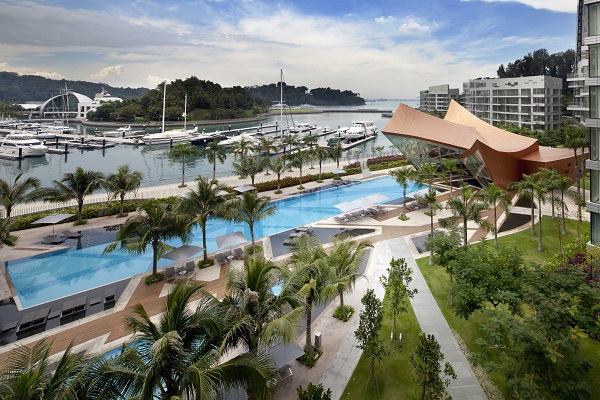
<point>363,202</point>
<point>378,198</point>
<point>52,219</point>
<point>230,239</point>
<point>183,253</point>
<point>346,206</point>
<point>244,188</point>
<point>283,354</point>
<point>338,172</point>
<point>221,193</point>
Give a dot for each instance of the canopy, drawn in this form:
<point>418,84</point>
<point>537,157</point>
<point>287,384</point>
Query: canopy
<point>363,202</point>
<point>244,188</point>
<point>183,253</point>
<point>52,219</point>
<point>221,193</point>
<point>378,198</point>
<point>230,239</point>
<point>338,171</point>
<point>283,354</point>
<point>346,206</point>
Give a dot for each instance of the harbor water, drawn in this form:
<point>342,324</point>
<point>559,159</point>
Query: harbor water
<point>156,166</point>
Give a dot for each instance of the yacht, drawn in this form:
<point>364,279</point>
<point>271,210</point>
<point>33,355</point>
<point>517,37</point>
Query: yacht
<point>207,137</point>
<point>303,129</point>
<point>22,145</point>
<point>121,132</point>
<point>166,137</point>
<point>234,139</point>
<point>359,130</point>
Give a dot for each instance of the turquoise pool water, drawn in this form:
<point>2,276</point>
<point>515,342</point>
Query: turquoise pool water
<point>51,276</point>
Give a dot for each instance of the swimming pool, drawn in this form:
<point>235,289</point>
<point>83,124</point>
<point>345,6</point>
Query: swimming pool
<point>62,273</point>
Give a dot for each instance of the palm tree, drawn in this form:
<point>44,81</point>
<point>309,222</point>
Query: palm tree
<point>177,357</point>
<point>251,209</point>
<point>181,152</point>
<point>75,186</point>
<point>203,203</point>
<point>526,190</point>
<point>402,176</point>
<point>312,275</point>
<point>151,227</point>
<point>336,153</point>
<point>345,258</point>
<point>19,192</point>
<point>540,190</point>
<point>6,239</point>
<point>321,153</point>
<point>123,182</point>
<point>427,172</point>
<point>496,196</point>
<point>242,147</point>
<point>249,166</point>
<point>279,166</point>
<point>28,374</point>
<point>298,160</point>
<point>450,167</point>
<point>464,208</point>
<point>214,152</point>
<point>563,183</point>
<point>289,140</point>
<point>432,205</point>
<point>576,138</point>
<point>260,317</point>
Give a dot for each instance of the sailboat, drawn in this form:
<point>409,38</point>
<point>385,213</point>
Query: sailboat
<point>171,136</point>
<point>298,129</point>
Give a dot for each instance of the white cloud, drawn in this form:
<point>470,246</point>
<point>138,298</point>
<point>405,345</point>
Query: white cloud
<point>154,81</point>
<point>385,20</point>
<point>108,71</point>
<point>412,27</point>
<point>30,71</point>
<point>568,6</point>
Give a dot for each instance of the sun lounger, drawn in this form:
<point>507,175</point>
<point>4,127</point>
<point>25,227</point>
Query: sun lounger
<point>220,257</point>
<point>109,295</point>
<point>55,238</point>
<point>307,229</point>
<point>74,307</point>
<point>339,220</point>
<point>71,235</point>
<point>34,319</point>
<point>170,273</point>
<point>190,266</point>
<point>239,253</point>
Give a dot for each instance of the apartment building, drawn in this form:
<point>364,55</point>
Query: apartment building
<point>533,102</point>
<point>580,107</point>
<point>437,98</point>
<point>589,42</point>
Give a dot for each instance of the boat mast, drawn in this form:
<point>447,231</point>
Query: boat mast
<point>185,113</point>
<point>281,99</point>
<point>164,103</point>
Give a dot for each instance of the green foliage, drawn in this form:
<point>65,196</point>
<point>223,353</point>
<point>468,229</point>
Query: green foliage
<point>310,360</point>
<point>150,279</point>
<point>302,95</point>
<point>343,313</point>
<point>426,362</point>
<point>205,264</point>
<point>255,249</point>
<point>396,288</point>
<point>389,164</point>
<point>314,392</point>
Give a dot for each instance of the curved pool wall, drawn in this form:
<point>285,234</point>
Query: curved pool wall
<point>62,273</point>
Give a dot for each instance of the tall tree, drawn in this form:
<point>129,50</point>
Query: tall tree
<point>18,192</point>
<point>337,152</point>
<point>154,224</point>
<point>214,152</point>
<point>251,209</point>
<point>6,239</point>
<point>122,182</point>
<point>177,356</point>
<point>312,275</point>
<point>242,147</point>
<point>397,291</point>
<point>451,168</point>
<point>426,361</point>
<point>250,166</point>
<point>201,204</point>
<point>526,190</point>
<point>576,137</point>
<point>75,186</point>
<point>259,317</point>
<point>402,176</point>
<point>322,154</point>
<point>540,191</point>
<point>279,166</point>
<point>182,152</point>
<point>444,247</point>
<point>496,196</point>
<point>430,199</point>
<point>298,160</point>
<point>367,333</point>
<point>466,207</point>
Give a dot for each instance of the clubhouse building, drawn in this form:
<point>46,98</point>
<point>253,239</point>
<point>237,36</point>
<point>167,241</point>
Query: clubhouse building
<point>488,153</point>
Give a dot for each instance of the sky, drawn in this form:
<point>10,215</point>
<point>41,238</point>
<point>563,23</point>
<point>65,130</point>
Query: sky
<point>377,48</point>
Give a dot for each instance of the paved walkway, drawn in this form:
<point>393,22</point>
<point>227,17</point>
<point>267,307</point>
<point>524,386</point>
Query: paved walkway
<point>430,319</point>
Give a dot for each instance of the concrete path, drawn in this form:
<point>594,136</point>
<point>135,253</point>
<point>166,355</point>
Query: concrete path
<point>430,319</point>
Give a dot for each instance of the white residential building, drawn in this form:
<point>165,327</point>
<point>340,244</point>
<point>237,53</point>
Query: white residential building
<point>437,98</point>
<point>580,107</point>
<point>533,102</point>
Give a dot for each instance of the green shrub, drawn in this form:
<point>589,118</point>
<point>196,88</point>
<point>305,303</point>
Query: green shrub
<point>343,313</point>
<point>210,262</point>
<point>150,279</point>
<point>310,360</point>
<point>254,250</point>
<point>313,392</point>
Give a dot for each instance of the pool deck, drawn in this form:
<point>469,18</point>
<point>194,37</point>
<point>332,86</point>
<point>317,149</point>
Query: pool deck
<point>104,329</point>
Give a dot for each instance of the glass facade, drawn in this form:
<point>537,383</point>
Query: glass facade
<point>420,151</point>
<point>593,25</point>
<point>594,19</point>
<point>476,167</point>
<point>595,144</point>
<point>595,229</point>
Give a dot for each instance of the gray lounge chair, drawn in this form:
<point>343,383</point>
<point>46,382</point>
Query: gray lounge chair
<point>220,257</point>
<point>71,235</point>
<point>339,220</point>
<point>109,296</point>
<point>55,238</point>
<point>190,266</point>
<point>239,253</point>
<point>170,273</point>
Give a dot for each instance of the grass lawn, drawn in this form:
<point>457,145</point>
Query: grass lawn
<point>439,283</point>
<point>394,373</point>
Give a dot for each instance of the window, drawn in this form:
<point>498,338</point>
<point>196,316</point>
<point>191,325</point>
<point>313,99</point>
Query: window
<point>594,20</point>
<point>595,229</point>
<point>594,103</point>
<point>595,144</point>
<point>594,61</point>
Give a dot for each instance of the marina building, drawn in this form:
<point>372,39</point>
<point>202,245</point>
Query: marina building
<point>588,50</point>
<point>437,98</point>
<point>533,102</point>
<point>71,105</point>
<point>488,153</point>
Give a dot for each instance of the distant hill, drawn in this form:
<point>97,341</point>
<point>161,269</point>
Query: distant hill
<point>296,95</point>
<point>23,88</point>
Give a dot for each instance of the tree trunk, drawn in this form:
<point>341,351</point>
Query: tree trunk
<point>450,183</point>
<point>204,243</point>
<point>341,299</point>
<point>309,346</point>
<point>154,259</point>
<point>395,329</point>
<point>214,169</point>
<point>540,224</point>
<point>431,234</point>
<point>465,232</point>
<point>183,172</point>
<point>404,202</point>
<point>372,373</point>
<point>495,224</point>
<point>564,224</point>
<point>532,215</point>
<point>122,201</point>
<point>79,210</point>
<point>577,173</point>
